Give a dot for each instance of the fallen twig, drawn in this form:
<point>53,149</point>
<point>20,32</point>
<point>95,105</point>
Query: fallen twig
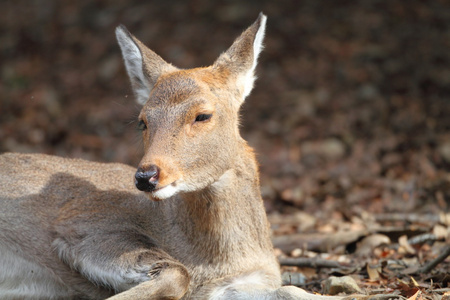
<point>321,242</point>
<point>422,238</point>
<point>303,262</point>
<point>430,265</point>
<point>411,218</point>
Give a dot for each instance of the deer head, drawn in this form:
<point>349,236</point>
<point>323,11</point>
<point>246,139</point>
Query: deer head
<point>189,119</point>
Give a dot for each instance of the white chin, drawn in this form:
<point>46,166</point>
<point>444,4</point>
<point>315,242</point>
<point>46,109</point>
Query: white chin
<point>165,192</point>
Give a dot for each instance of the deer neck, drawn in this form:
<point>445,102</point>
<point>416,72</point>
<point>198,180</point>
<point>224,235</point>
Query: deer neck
<point>227,216</point>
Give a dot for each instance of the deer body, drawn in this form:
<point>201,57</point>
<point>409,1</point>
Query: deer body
<point>92,211</point>
<point>76,229</point>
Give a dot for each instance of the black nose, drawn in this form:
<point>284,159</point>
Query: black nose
<point>146,179</point>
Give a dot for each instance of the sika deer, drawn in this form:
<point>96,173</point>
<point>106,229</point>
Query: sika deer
<point>76,229</point>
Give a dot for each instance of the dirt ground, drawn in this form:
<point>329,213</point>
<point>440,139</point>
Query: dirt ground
<point>350,118</point>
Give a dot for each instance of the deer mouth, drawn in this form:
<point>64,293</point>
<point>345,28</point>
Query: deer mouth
<point>164,192</point>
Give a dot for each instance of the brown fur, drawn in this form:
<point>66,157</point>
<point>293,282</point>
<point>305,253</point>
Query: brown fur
<point>89,233</point>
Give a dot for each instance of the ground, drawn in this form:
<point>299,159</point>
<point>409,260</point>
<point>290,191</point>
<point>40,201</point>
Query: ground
<point>349,117</point>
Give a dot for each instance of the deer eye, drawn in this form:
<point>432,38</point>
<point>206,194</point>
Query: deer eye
<point>141,126</point>
<point>203,117</point>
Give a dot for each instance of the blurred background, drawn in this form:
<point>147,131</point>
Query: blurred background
<point>350,114</point>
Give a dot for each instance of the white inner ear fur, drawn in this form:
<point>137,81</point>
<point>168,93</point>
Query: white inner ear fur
<point>257,48</point>
<point>133,62</point>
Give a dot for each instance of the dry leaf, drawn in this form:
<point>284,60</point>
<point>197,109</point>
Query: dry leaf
<point>445,218</point>
<point>414,297</point>
<point>446,296</point>
<point>405,247</point>
<point>440,232</point>
<point>308,272</point>
<point>368,244</point>
<point>407,289</point>
<point>373,272</point>
<point>414,281</point>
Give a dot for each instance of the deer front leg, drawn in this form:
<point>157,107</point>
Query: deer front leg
<point>168,281</point>
<point>129,263</point>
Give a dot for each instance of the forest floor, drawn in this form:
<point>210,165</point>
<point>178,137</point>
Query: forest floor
<point>350,118</point>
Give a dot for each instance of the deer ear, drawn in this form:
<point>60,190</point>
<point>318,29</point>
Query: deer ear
<point>144,66</point>
<point>241,58</point>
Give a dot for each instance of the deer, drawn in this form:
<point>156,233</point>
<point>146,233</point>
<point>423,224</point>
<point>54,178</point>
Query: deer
<point>189,223</point>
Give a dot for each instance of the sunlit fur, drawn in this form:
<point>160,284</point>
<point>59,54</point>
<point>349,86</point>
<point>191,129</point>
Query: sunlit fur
<point>72,229</point>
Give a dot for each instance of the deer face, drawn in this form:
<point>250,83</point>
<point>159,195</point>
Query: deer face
<point>189,129</point>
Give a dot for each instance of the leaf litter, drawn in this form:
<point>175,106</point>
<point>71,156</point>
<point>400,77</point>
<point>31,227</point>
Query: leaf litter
<point>349,118</point>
